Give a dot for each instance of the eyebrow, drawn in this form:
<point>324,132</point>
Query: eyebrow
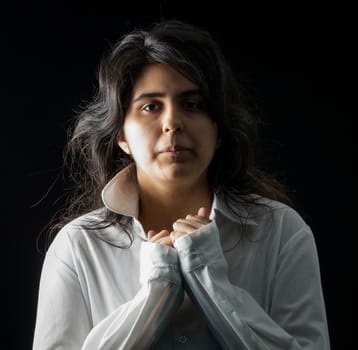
<point>186,93</point>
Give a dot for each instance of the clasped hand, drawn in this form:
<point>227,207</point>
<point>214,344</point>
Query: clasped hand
<point>181,227</point>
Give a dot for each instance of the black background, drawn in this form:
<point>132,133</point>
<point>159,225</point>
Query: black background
<point>297,64</point>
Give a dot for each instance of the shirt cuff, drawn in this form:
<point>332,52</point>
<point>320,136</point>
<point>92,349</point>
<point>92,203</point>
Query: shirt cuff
<point>158,261</point>
<point>199,248</point>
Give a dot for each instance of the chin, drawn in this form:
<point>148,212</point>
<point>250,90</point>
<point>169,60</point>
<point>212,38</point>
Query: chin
<point>180,174</point>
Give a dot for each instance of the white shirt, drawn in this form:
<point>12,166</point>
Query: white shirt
<point>261,291</point>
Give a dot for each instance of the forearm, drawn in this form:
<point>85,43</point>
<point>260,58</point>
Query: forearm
<point>64,319</point>
<point>235,317</point>
<point>140,321</point>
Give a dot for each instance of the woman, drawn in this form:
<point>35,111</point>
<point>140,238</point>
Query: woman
<point>178,238</point>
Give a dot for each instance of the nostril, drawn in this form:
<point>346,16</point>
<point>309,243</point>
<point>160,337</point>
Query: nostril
<point>173,128</point>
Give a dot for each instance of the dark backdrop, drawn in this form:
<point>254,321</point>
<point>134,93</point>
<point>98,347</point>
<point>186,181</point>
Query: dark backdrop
<point>295,64</point>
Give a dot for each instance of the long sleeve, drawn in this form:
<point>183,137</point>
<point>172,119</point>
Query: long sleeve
<point>64,319</point>
<point>296,319</point>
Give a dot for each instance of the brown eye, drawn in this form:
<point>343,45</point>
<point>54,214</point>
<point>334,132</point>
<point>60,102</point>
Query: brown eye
<point>194,105</point>
<point>151,107</point>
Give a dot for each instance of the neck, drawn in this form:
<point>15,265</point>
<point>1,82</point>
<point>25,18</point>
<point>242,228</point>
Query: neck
<point>161,207</point>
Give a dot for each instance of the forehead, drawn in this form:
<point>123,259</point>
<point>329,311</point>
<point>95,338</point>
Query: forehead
<point>161,78</point>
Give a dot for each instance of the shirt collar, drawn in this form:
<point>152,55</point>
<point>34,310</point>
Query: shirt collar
<point>241,208</point>
<point>120,195</point>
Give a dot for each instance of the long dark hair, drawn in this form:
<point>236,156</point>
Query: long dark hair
<point>92,155</point>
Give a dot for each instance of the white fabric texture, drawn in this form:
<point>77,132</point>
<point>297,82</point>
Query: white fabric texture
<point>217,289</point>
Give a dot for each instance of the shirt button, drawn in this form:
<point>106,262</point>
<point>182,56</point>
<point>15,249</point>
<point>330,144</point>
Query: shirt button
<point>182,339</point>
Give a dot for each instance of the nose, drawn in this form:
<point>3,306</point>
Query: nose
<point>172,121</point>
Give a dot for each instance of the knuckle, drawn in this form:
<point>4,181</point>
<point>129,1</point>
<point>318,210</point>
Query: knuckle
<point>176,224</point>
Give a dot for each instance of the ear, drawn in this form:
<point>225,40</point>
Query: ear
<point>122,143</point>
<point>124,146</point>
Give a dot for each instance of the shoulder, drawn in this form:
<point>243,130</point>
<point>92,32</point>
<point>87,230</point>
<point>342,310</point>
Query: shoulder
<point>84,233</point>
<point>279,219</point>
<point>258,210</point>
<point>75,229</point>
<point>278,211</point>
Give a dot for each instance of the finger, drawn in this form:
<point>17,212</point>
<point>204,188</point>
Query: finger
<point>159,235</point>
<point>165,241</point>
<point>203,212</point>
<point>175,235</point>
<point>150,234</point>
<point>196,219</point>
<point>185,226</point>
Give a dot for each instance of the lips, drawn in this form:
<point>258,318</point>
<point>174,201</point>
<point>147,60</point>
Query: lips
<point>174,149</point>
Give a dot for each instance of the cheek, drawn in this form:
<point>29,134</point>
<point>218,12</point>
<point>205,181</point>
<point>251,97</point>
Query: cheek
<point>138,136</point>
<point>212,137</point>
<point>132,132</point>
<point>208,141</point>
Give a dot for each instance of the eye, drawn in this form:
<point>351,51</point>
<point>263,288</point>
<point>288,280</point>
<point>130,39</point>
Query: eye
<point>150,107</point>
<point>194,105</point>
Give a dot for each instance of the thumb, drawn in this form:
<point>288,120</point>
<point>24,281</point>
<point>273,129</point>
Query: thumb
<point>203,212</point>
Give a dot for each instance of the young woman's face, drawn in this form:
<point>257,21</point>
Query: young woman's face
<point>167,129</point>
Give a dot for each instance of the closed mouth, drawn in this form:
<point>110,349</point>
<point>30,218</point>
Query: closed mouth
<point>174,149</point>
